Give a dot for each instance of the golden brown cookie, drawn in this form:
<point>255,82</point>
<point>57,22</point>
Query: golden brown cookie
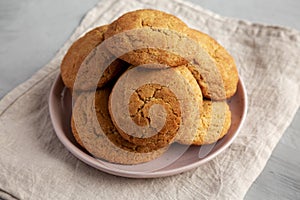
<point>146,36</point>
<point>97,64</point>
<point>224,63</point>
<point>97,134</point>
<point>215,123</point>
<point>134,109</point>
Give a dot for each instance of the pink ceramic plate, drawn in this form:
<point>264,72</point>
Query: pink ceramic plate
<point>60,104</point>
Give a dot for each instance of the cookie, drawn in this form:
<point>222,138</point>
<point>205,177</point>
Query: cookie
<point>75,133</point>
<point>146,36</point>
<point>98,135</point>
<point>225,65</point>
<point>94,70</point>
<point>150,107</point>
<point>215,123</point>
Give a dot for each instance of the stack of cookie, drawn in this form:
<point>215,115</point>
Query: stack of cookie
<point>145,81</point>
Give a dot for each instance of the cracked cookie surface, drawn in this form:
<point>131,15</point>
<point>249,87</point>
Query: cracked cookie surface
<point>136,49</point>
<point>98,135</point>
<point>215,123</point>
<point>154,110</point>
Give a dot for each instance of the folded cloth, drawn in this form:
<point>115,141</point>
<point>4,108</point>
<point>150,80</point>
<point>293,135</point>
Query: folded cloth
<point>35,165</point>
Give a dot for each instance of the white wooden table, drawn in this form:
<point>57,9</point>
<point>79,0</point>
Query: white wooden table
<point>31,31</point>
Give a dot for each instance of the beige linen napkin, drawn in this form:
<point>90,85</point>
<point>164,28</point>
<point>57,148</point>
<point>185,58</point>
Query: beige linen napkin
<point>35,165</point>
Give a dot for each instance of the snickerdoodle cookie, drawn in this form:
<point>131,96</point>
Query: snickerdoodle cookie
<point>215,123</point>
<point>93,129</point>
<point>225,65</point>
<point>90,69</point>
<point>151,106</point>
<point>146,36</point>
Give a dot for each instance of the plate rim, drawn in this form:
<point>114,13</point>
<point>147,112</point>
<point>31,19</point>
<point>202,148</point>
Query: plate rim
<point>94,162</point>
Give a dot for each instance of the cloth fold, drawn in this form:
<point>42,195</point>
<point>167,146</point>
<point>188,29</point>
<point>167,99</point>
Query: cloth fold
<point>35,165</point>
